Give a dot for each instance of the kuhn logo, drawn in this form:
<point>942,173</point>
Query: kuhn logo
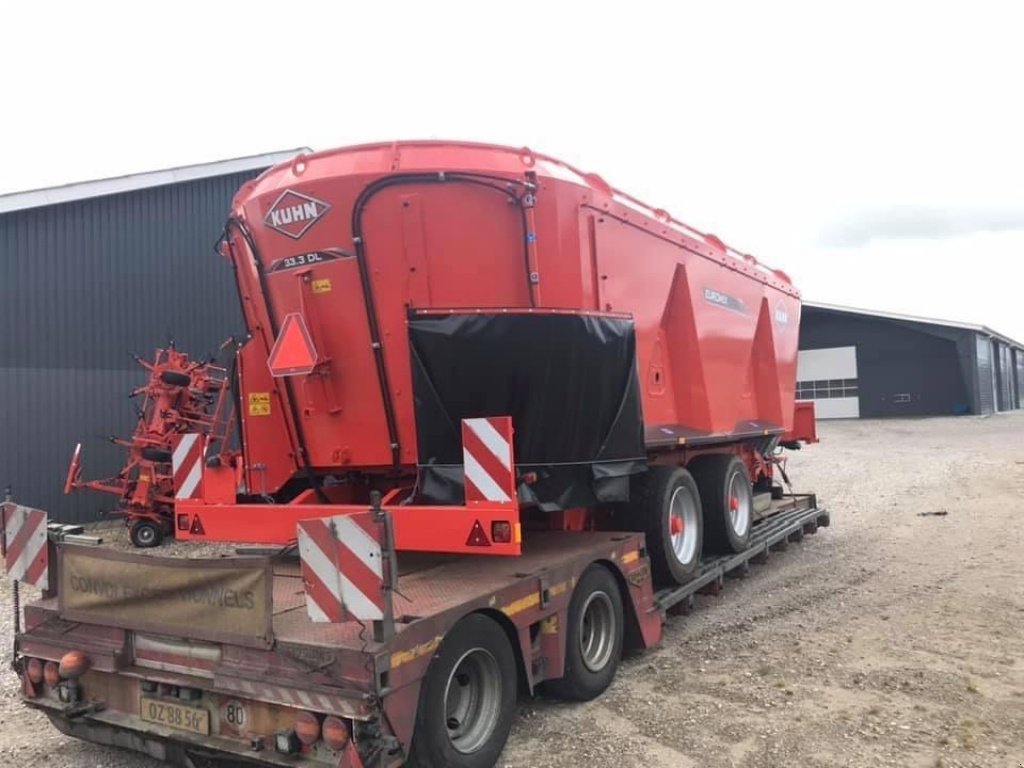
<point>293,213</point>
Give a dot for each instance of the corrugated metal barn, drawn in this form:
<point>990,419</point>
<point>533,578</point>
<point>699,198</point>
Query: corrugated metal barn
<point>89,274</point>
<point>858,363</point>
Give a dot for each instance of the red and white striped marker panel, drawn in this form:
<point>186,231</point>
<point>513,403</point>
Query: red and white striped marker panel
<point>187,464</point>
<point>342,568</point>
<point>487,459</point>
<point>27,554</point>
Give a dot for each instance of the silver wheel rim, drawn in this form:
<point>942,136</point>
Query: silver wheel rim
<point>682,512</point>
<point>472,700</point>
<point>146,534</point>
<point>740,500</point>
<point>597,631</point>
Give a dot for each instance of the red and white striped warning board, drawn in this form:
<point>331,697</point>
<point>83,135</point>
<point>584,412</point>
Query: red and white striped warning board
<point>342,568</point>
<point>187,464</point>
<point>26,555</point>
<point>487,459</point>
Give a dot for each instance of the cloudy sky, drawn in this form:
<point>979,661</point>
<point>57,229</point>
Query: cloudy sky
<point>874,151</point>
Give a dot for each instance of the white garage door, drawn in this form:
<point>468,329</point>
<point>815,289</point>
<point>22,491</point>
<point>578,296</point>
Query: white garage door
<point>829,378</point>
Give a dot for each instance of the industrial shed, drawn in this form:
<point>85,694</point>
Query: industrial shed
<point>90,274</point>
<point>861,363</point>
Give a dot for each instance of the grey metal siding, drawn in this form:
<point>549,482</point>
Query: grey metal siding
<point>82,286</point>
<point>986,376</point>
<point>1018,380</point>
<point>1005,375</point>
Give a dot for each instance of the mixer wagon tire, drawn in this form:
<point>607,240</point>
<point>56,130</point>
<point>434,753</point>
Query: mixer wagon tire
<point>728,497</point>
<point>468,699</point>
<point>666,502</point>
<point>159,455</point>
<point>175,378</point>
<point>593,641</point>
<point>146,534</point>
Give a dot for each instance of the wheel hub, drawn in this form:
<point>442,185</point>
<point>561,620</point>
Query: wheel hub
<point>597,631</point>
<point>682,525</point>
<point>473,700</point>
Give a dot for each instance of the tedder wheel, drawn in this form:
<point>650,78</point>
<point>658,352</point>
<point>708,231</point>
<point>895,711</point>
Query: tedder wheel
<point>468,698</point>
<point>666,503</point>
<point>728,498</point>
<point>146,533</point>
<point>176,378</point>
<point>159,455</point>
<point>593,642</point>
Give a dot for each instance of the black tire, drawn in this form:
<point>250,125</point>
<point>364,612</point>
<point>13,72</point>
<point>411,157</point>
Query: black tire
<point>158,455</point>
<point>721,479</point>
<point>474,644</point>
<point>146,534</point>
<point>175,378</point>
<point>592,651</point>
<point>653,496</point>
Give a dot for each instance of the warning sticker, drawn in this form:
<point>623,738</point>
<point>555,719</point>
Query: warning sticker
<point>321,286</point>
<point>259,403</point>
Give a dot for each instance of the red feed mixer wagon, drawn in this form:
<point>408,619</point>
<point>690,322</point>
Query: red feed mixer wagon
<point>411,306</point>
<point>453,350</point>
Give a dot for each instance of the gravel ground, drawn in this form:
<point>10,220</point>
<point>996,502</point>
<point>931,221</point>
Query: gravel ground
<point>889,639</point>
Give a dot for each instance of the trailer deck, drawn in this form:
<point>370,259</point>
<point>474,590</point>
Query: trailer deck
<point>791,518</point>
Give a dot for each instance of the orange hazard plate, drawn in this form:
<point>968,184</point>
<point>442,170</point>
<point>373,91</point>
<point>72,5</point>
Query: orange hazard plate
<point>171,715</point>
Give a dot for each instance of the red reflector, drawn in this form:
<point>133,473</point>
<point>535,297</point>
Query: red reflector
<point>73,665</point>
<point>307,727</point>
<point>51,673</point>
<point>293,353</point>
<point>335,733</point>
<point>35,671</point>
<point>501,532</point>
<point>197,527</point>
<point>477,537</point>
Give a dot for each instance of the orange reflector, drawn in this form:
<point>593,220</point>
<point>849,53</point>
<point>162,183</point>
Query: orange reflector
<point>51,674</point>
<point>73,665</point>
<point>293,353</point>
<point>335,733</point>
<point>34,670</point>
<point>501,532</point>
<point>307,728</point>
<point>477,537</point>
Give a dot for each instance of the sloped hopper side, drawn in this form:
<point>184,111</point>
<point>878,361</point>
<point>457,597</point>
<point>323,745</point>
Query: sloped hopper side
<point>568,381</point>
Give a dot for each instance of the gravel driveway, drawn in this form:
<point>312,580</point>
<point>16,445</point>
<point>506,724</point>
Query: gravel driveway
<point>889,639</point>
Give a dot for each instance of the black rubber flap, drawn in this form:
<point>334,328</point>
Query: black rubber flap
<point>569,382</point>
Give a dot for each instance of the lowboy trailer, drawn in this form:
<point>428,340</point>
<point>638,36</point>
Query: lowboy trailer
<point>216,661</point>
<point>491,420</point>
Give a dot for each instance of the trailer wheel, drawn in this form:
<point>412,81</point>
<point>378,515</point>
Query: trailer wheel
<point>728,497</point>
<point>666,503</point>
<point>468,698</point>
<point>145,534</point>
<point>175,378</point>
<point>593,641</point>
<point>157,455</point>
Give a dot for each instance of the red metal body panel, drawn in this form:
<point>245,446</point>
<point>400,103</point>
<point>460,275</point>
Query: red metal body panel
<point>453,225</point>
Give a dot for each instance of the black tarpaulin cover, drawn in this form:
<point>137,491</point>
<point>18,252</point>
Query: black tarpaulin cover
<point>568,381</point>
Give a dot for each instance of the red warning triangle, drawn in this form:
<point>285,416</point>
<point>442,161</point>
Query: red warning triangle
<point>197,527</point>
<point>477,537</point>
<point>293,353</point>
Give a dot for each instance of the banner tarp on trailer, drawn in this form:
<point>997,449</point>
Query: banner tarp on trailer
<point>568,381</point>
<point>217,600</point>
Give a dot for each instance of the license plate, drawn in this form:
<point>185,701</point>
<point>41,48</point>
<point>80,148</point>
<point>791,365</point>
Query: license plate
<point>182,718</point>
